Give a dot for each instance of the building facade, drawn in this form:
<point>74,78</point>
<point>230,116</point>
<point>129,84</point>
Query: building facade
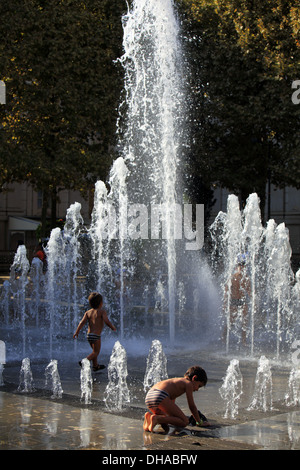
<point>20,217</point>
<point>284,206</point>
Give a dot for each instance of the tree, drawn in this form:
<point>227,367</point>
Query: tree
<point>244,56</point>
<point>63,87</point>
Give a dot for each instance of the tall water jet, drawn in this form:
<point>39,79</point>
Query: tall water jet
<point>149,132</point>
<point>119,198</point>
<point>268,303</point>
<point>109,235</point>
<point>18,282</point>
<point>181,301</point>
<point>102,226</point>
<point>55,275</point>
<point>252,233</point>
<point>281,278</point>
<point>72,230</point>
<point>37,278</point>
<point>232,248</point>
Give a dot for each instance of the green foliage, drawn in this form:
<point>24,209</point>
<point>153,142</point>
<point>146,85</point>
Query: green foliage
<point>58,128</point>
<point>244,56</point>
<point>63,87</point>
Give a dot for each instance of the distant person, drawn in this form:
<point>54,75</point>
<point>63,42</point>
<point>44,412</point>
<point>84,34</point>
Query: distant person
<point>41,255</point>
<point>239,293</point>
<point>160,400</point>
<point>95,317</point>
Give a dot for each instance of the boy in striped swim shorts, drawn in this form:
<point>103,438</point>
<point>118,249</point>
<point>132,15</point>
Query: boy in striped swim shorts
<point>160,400</point>
<point>95,317</point>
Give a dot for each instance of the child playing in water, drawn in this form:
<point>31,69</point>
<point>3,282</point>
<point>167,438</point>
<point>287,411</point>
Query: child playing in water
<point>161,400</point>
<point>96,317</point>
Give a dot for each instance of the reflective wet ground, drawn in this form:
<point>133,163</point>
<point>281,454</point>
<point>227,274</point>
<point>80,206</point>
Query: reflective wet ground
<point>35,421</point>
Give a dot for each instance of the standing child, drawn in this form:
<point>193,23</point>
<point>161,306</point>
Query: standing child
<point>96,317</point>
<point>161,400</point>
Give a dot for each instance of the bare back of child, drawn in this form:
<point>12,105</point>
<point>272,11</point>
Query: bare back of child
<point>96,317</point>
<point>160,400</point>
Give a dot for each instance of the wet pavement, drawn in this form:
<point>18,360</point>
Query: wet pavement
<point>35,421</point>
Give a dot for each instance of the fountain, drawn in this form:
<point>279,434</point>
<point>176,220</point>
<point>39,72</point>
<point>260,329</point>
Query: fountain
<point>266,314</point>
<point>37,277</point>
<point>62,290</point>
<point>109,237</point>
<point>292,397</point>
<point>86,381</point>
<point>153,281</point>
<point>134,252</point>
<point>26,384</point>
<point>72,230</point>
<point>150,130</point>
<point>232,389</point>
<point>55,280</point>
<point>18,282</point>
<point>52,375</point>
<point>117,395</point>
<point>156,369</point>
<point>262,397</point>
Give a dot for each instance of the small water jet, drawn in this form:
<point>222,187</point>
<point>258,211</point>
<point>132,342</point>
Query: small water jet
<point>263,392</point>
<point>86,381</point>
<point>292,397</point>
<point>52,376</point>
<point>117,395</point>
<point>26,384</point>
<point>156,368</point>
<point>232,389</point>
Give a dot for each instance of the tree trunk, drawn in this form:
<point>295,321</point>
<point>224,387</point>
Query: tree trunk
<point>44,215</point>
